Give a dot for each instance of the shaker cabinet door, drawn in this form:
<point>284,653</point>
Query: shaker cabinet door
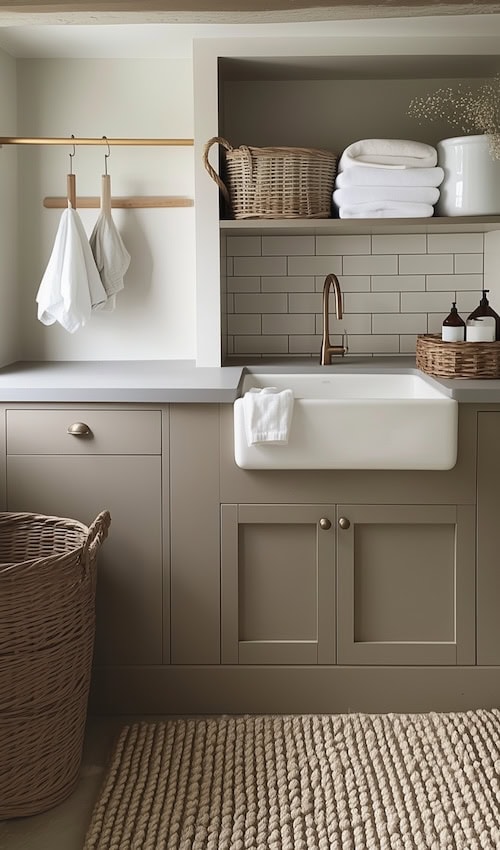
<point>278,584</point>
<point>406,578</point>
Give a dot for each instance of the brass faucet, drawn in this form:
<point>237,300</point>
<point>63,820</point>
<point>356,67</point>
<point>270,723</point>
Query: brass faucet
<point>326,348</point>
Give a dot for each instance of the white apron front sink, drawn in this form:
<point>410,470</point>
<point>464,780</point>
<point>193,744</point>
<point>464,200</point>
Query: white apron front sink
<point>355,421</point>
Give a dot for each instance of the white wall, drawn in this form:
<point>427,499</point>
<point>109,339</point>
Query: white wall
<point>8,194</point>
<point>155,314</point>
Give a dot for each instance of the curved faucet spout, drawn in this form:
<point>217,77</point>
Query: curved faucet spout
<point>326,348</point>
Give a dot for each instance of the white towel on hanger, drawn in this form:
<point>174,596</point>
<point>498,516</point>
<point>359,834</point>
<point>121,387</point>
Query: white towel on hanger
<point>268,415</point>
<point>71,286</point>
<point>111,257</point>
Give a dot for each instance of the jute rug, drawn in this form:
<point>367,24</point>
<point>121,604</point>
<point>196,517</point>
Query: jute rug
<point>339,782</point>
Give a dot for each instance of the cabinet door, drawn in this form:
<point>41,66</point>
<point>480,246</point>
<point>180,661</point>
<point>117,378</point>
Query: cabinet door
<point>278,584</point>
<point>129,583</point>
<point>406,579</point>
<point>488,548</point>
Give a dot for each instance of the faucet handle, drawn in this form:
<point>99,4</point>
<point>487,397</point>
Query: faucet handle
<point>345,341</point>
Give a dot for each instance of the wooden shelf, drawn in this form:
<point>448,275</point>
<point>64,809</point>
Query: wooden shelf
<point>437,224</point>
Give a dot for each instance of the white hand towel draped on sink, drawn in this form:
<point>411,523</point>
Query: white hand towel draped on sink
<point>268,415</point>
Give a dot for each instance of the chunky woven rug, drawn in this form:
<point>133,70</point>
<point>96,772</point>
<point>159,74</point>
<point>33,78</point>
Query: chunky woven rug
<point>339,782</point>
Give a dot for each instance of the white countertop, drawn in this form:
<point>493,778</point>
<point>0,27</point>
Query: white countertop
<point>164,381</point>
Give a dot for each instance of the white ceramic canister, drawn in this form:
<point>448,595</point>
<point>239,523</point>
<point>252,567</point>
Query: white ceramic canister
<point>471,184</point>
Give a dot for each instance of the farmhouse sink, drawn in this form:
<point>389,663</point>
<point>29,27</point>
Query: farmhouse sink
<point>355,421</point>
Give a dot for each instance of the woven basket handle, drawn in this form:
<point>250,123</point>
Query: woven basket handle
<point>98,532</point>
<point>213,174</point>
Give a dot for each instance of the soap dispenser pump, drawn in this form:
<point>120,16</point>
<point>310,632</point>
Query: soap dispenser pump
<point>483,324</point>
<point>453,328</point>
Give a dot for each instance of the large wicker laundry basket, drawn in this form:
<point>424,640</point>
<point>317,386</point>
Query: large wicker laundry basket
<point>274,182</point>
<point>47,618</point>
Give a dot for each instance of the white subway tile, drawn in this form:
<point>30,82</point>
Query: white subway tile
<point>381,264</point>
<point>435,321</point>
<point>398,283</point>
<point>286,323</point>
<point>249,266</point>
<point>307,344</point>
<point>349,283</point>
<point>261,344</point>
<point>468,264</point>
<point>426,302</point>
<point>400,323</point>
<point>260,303</point>
<point>455,243</point>
<point>353,323</point>
<point>426,264</point>
<point>374,344</point>
<point>314,265</point>
<point>244,246</point>
<point>371,302</point>
<point>288,284</point>
<point>287,246</point>
<point>333,245</point>
<point>404,243</point>
<point>454,281</point>
<point>299,302</point>
<point>246,323</point>
<point>408,343</point>
<point>243,284</point>
<point>468,301</point>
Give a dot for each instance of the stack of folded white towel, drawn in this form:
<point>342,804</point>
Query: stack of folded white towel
<point>387,178</point>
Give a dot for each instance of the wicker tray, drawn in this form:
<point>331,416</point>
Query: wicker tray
<point>275,182</point>
<point>457,359</point>
<point>47,614</point>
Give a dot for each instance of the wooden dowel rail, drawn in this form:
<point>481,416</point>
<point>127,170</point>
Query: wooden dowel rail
<point>124,203</point>
<point>13,140</point>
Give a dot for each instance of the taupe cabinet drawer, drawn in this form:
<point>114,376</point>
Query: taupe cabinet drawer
<point>110,432</point>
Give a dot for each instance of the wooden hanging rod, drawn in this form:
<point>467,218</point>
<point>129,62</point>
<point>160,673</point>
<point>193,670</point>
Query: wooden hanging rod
<point>125,203</point>
<point>12,140</point>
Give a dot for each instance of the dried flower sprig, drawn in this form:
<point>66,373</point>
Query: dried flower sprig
<point>470,110</point>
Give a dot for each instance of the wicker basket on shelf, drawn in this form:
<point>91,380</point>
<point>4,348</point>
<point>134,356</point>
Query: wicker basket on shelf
<point>47,616</point>
<point>275,182</point>
<point>457,359</point>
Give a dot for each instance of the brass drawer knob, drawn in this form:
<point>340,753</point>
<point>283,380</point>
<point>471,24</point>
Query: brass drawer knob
<point>344,522</point>
<point>325,523</point>
<point>79,429</point>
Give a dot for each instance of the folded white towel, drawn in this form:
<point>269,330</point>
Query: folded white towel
<point>358,175</point>
<point>268,415</point>
<point>388,153</point>
<point>386,209</point>
<point>403,194</point>
<point>71,286</point>
<point>111,257</point>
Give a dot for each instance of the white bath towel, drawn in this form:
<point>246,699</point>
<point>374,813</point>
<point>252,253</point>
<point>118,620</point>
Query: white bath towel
<point>268,415</point>
<point>403,194</point>
<point>359,175</point>
<point>386,209</point>
<point>111,257</point>
<point>388,153</point>
<point>71,286</point>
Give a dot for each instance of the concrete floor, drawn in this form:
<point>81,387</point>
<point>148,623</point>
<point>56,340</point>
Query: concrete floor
<point>64,826</point>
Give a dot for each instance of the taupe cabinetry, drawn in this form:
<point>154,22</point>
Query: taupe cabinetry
<point>116,464</point>
<point>406,581</point>
<point>488,547</point>
<point>278,584</point>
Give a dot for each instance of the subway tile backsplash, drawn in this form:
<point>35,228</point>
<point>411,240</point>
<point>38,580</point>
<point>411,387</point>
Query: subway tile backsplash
<point>394,287</point>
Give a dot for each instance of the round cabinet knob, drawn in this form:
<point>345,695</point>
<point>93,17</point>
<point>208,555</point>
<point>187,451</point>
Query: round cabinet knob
<point>79,429</point>
<point>325,523</point>
<point>344,522</point>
